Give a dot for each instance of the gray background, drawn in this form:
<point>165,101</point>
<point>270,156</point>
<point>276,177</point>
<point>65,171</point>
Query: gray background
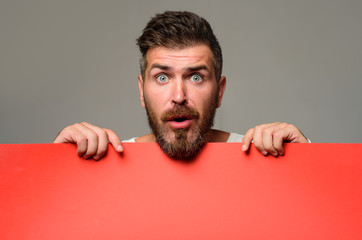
<point>65,61</point>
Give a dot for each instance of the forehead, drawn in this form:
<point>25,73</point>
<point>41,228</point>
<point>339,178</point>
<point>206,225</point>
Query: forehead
<point>180,58</point>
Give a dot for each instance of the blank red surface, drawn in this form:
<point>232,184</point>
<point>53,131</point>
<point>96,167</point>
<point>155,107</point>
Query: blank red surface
<point>313,192</point>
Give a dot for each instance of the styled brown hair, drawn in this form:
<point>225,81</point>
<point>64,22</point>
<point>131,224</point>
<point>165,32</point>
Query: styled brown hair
<point>174,29</point>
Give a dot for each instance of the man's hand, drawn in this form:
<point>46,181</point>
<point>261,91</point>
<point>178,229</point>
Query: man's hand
<point>92,141</point>
<point>269,138</point>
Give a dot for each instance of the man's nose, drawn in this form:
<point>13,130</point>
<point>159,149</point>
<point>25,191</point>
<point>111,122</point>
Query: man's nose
<point>179,92</point>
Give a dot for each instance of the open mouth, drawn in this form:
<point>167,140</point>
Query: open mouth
<point>178,122</point>
<point>179,119</point>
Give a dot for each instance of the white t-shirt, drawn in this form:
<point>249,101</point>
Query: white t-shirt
<point>234,137</point>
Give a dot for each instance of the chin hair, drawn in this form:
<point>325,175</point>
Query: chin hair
<point>182,148</point>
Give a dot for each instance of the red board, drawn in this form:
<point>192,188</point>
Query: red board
<point>313,192</point>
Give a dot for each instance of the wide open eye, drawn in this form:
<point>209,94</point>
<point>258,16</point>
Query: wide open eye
<point>196,78</point>
<point>162,78</point>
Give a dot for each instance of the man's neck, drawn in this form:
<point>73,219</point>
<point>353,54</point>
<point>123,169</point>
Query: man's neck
<point>212,136</point>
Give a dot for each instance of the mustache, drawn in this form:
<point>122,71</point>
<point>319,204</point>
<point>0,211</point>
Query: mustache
<point>180,111</point>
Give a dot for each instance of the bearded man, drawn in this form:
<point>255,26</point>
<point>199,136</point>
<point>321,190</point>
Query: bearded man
<point>181,86</point>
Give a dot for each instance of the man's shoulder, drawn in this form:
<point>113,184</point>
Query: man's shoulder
<point>222,136</point>
<point>130,140</point>
<point>235,137</point>
<point>146,138</point>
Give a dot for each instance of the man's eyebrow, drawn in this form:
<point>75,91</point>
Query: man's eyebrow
<point>189,69</point>
<point>162,67</point>
<point>197,68</point>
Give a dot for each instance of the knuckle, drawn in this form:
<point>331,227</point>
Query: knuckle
<point>93,136</point>
<point>76,126</point>
<point>283,124</point>
<point>268,131</point>
<point>103,134</point>
<point>68,129</point>
<point>82,139</point>
<point>249,132</point>
<point>259,128</point>
<point>250,129</point>
<point>109,131</point>
<point>277,135</point>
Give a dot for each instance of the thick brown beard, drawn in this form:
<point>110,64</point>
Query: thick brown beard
<point>182,148</point>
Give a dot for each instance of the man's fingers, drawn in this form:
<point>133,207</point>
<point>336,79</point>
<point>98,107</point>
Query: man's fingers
<point>263,138</point>
<point>92,139</point>
<point>281,136</point>
<point>71,134</point>
<point>294,135</point>
<point>268,143</point>
<point>248,137</point>
<point>278,143</point>
<point>269,138</point>
<point>114,140</point>
<point>82,146</point>
<point>258,139</point>
<point>102,142</point>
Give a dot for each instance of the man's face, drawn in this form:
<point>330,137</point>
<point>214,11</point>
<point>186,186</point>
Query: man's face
<point>181,94</point>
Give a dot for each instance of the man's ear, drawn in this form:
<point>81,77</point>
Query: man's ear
<point>222,85</point>
<point>140,88</point>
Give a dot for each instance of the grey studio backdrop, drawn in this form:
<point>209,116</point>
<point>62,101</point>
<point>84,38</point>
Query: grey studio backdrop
<point>63,62</point>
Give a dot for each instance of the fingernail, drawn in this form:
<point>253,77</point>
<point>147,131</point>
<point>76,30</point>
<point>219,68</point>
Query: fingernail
<point>244,148</point>
<point>264,152</point>
<point>119,148</point>
<point>275,154</point>
<point>96,158</point>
